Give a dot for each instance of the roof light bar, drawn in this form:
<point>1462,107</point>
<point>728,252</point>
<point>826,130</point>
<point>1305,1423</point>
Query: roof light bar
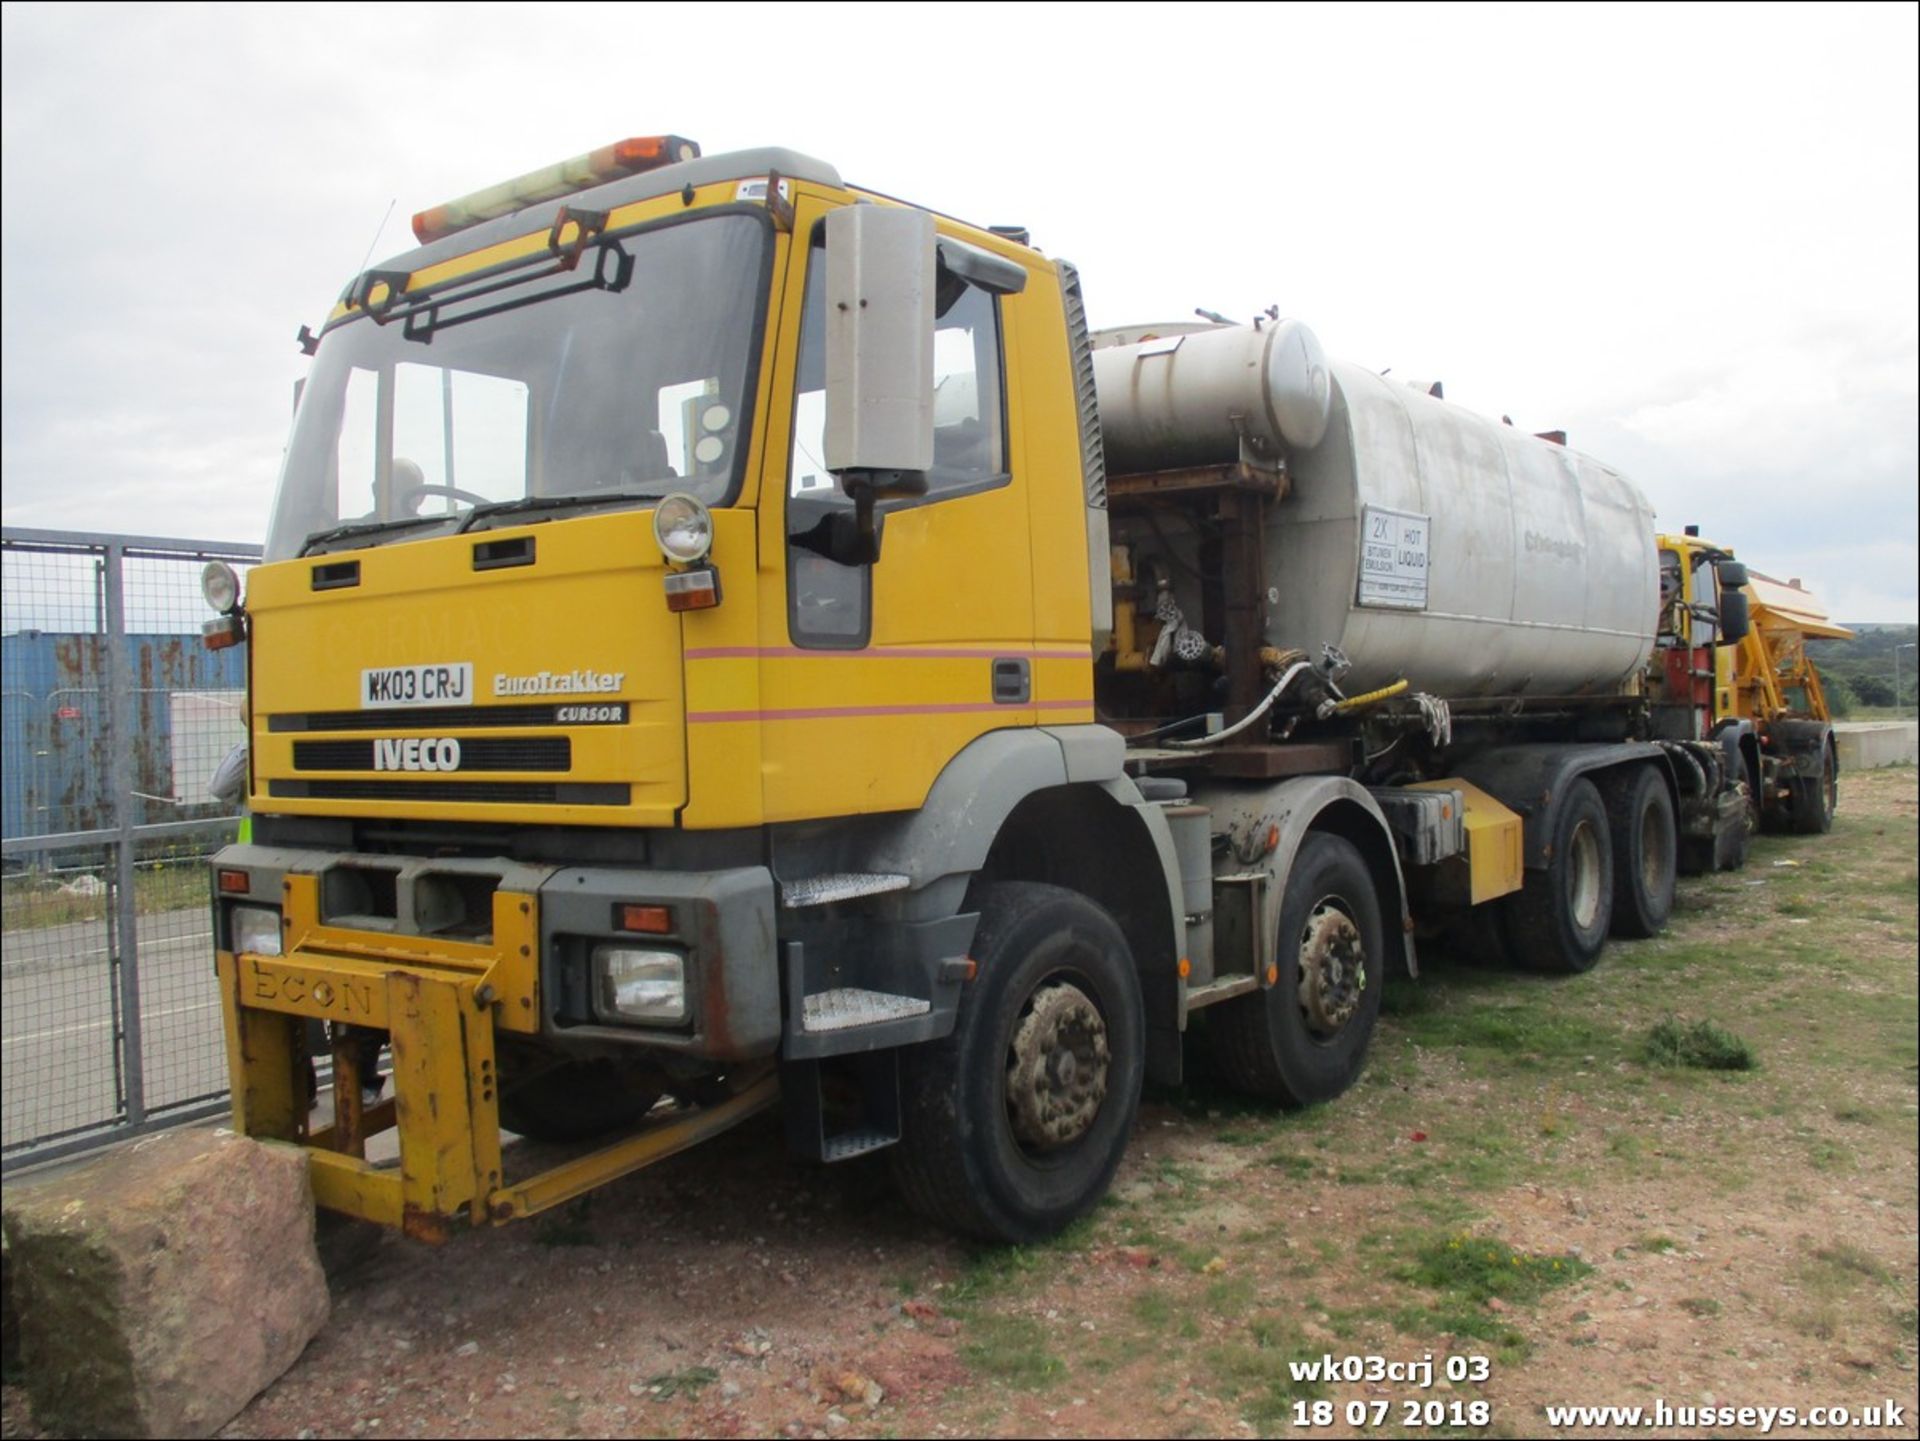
<point>596,167</point>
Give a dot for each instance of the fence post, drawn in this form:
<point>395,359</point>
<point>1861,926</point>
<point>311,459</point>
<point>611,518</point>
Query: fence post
<point>120,734</point>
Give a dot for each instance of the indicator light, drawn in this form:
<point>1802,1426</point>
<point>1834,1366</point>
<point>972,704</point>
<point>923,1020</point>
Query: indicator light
<point>653,920</point>
<point>696,589</point>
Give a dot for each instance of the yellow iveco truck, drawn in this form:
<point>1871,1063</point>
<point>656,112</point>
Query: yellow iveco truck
<point>728,636</point>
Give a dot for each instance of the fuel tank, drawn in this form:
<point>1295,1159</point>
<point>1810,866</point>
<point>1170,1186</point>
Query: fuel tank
<point>1425,541</point>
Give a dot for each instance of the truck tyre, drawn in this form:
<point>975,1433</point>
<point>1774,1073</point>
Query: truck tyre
<point>1815,798</point>
<point>1733,845</point>
<point>574,1100</point>
<point>1304,1037</point>
<point>1645,846</point>
<point>1557,922</point>
<point>1013,1125</point>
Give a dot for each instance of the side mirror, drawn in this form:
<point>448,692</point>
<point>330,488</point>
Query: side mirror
<point>1735,617</point>
<point>1732,573</point>
<point>881,274</point>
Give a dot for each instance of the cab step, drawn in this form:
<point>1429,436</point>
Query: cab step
<point>843,886</point>
<point>843,1107</point>
<point>850,1006</point>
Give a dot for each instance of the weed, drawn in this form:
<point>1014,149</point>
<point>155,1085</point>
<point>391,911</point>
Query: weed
<point>1658,1244</point>
<point>1702,1046</point>
<point>1701,1306</point>
<point>687,1381</point>
<point>1300,1168</point>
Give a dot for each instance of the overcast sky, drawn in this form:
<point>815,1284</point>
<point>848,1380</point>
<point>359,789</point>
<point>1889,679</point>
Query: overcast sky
<point>1686,236</point>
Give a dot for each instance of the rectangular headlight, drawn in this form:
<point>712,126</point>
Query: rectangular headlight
<point>637,985</point>
<point>255,929</point>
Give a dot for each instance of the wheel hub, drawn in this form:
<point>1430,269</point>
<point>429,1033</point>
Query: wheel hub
<point>1056,1068</point>
<point>1333,969</point>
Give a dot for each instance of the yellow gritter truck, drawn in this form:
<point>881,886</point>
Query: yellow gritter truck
<point>726,636</point>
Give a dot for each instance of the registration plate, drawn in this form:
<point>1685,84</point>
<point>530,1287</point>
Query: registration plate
<point>404,685</point>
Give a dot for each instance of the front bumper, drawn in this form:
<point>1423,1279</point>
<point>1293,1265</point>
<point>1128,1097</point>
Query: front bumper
<point>407,962</point>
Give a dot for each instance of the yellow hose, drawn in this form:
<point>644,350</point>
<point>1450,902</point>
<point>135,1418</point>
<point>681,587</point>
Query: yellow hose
<point>1372,697</point>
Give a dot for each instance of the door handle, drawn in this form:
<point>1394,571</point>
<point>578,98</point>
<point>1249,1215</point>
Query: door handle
<point>1012,682</point>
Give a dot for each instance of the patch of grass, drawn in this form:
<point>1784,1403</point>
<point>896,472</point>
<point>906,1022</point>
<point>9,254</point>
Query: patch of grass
<point>1013,1351</point>
<point>993,1269</point>
<point>1480,1268</point>
<point>1154,1309</point>
<point>1826,1155</point>
<point>1253,1373</point>
<point>1856,1115</point>
<point>1702,1046</point>
<point>1300,1168</point>
<point>1230,1296</point>
<point>1525,1036</point>
<point>1844,1257</point>
<point>1702,1306</point>
<point>1658,1244</point>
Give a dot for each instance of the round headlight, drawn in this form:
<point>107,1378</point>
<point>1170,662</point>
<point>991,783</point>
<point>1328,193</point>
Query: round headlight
<point>220,586</point>
<point>684,529</point>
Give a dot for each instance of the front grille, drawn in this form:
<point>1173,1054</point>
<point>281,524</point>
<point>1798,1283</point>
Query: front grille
<point>525,753</point>
<point>517,793</point>
<point>454,717</point>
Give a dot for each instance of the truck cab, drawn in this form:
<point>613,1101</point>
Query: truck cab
<point>635,699</point>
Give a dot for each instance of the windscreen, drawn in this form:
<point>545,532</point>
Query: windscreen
<point>546,392</point>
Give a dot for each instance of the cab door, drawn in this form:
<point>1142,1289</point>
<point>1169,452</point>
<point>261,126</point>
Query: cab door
<point>873,676</point>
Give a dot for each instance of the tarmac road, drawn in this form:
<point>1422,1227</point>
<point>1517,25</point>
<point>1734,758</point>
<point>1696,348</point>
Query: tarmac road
<point>59,1020</point>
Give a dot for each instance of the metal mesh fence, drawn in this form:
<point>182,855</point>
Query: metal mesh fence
<point>115,719</point>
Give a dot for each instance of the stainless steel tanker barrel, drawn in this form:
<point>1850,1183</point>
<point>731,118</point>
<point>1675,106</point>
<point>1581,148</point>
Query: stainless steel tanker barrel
<point>1425,541</point>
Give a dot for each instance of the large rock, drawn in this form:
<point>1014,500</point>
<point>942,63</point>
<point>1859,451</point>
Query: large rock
<point>162,1286</point>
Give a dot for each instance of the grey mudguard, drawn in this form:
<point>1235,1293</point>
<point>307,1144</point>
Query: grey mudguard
<point>1292,807</point>
<point>943,843</point>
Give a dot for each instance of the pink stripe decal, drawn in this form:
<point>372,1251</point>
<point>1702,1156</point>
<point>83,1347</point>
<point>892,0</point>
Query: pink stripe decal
<point>788,652</point>
<point>708,717</point>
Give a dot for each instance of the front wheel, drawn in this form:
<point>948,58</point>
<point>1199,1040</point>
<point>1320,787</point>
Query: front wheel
<point>1814,799</point>
<point>1013,1125</point>
<point>1304,1038</point>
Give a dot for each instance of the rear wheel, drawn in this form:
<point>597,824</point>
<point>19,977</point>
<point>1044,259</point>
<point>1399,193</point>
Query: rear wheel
<point>1815,798</point>
<point>1558,920</point>
<point>1013,1125</point>
<point>1304,1038</point>
<point>1645,844</point>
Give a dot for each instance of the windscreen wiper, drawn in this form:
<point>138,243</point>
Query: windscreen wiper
<point>549,502</point>
<point>367,527</point>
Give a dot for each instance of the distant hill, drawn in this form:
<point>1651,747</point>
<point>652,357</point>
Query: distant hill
<point>1861,671</point>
